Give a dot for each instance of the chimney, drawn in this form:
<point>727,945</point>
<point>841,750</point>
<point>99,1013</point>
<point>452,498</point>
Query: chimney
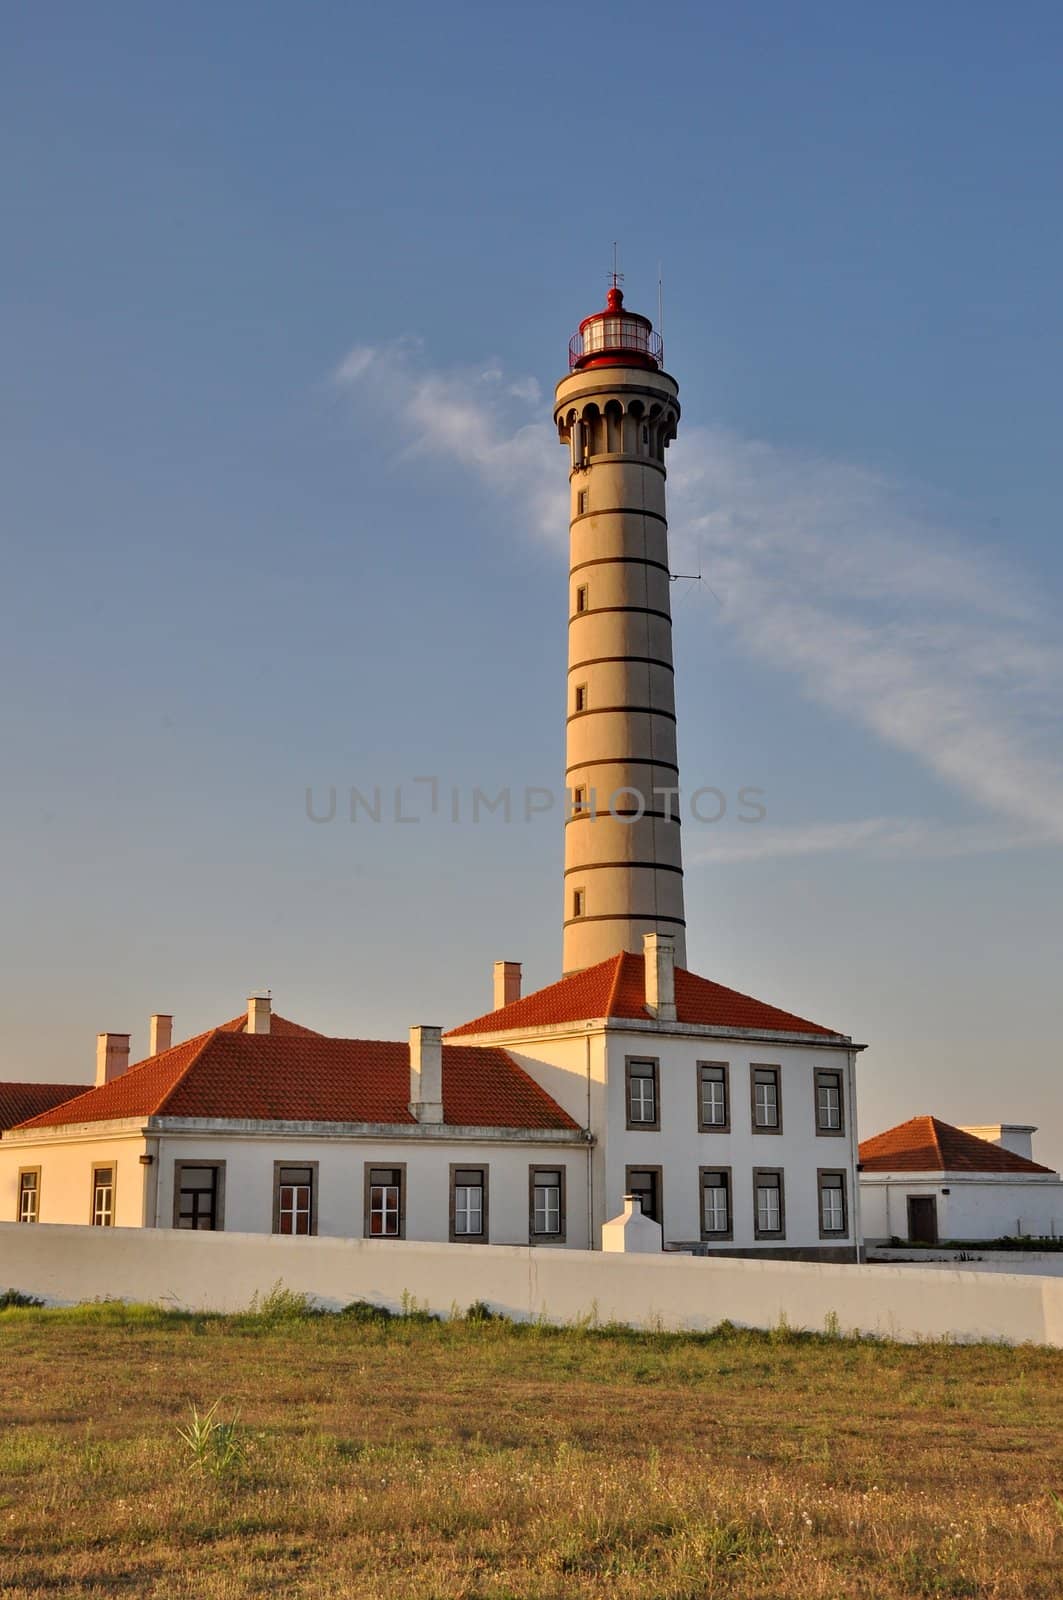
<point>112,1056</point>
<point>659,951</point>
<point>258,1013</point>
<point>507,983</point>
<point>160,1034</point>
<point>426,1073</point>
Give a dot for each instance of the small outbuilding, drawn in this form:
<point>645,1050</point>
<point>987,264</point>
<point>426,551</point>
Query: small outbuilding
<point>926,1182</point>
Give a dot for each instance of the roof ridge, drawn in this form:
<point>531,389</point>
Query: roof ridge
<point>618,969</point>
<point>205,1040</point>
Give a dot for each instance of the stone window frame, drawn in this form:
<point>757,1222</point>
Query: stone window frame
<point>721,1235</point>
<point>658,1172</point>
<point>725,1125</point>
<point>652,1125</point>
<point>765,1066</point>
<point>833,1172</point>
<point>579,904</point>
<point>28,1172</point>
<point>583,599</point>
<point>369,1167</point>
<point>484,1236</point>
<point>219,1190</point>
<point>112,1168</point>
<point>769,1233</point>
<point>838,1075</point>
<point>278,1166</point>
<point>560,1236</point>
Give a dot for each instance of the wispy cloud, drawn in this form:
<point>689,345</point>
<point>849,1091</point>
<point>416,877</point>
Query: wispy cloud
<point>881,838</point>
<point>822,569</point>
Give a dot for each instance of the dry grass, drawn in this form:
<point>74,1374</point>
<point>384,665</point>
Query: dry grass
<point>475,1459</point>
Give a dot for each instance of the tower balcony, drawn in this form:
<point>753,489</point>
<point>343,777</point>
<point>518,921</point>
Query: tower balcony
<point>619,341</point>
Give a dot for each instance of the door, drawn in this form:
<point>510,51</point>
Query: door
<point>922,1219</point>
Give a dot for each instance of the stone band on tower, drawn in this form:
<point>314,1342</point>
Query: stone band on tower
<point>618,411</point>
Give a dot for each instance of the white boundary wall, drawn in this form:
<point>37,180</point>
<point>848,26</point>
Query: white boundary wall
<point>221,1272</point>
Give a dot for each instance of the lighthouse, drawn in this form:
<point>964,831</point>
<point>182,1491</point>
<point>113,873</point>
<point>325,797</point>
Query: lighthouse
<point>617,411</point>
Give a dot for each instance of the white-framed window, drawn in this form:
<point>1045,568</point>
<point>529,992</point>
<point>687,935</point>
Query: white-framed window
<point>766,1109</point>
<point>715,1202</point>
<point>768,1202</point>
<point>641,1093</point>
<point>29,1195</point>
<point>468,1203</point>
<point>103,1197</point>
<point>713,1108</point>
<point>383,1203</point>
<point>547,1202</point>
<point>829,1117</point>
<point>293,1199</point>
<point>832,1218</point>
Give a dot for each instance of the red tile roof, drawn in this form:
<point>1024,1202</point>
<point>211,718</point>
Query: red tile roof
<point>616,988</point>
<point>21,1100</point>
<point>299,1076</point>
<point>926,1144</point>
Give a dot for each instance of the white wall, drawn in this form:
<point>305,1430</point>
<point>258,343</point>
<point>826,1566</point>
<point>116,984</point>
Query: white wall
<point>985,1207</point>
<point>144,1195</point>
<point>222,1271</point>
<point>249,1163</point>
<point>681,1149</point>
<point>66,1177</point>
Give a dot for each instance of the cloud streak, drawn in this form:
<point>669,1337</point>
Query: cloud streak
<point>822,569</point>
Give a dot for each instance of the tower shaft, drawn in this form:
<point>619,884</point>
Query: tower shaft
<point>623,857</point>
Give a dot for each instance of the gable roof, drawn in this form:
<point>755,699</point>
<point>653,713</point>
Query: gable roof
<point>926,1144</point>
<point>18,1101</point>
<point>617,987</point>
<point>300,1076</point>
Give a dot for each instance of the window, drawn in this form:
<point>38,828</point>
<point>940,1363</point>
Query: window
<point>385,1207</point>
<point>29,1195</point>
<point>767,1111</point>
<point>642,1108</point>
<point>646,1183</point>
<point>294,1197</point>
<point>198,1194</point>
<point>714,1111</point>
<point>579,902</point>
<point>768,1217</point>
<point>547,1219</point>
<point>468,1203</point>
<point>716,1203</point>
<point>581,697</point>
<point>581,598</point>
<point>832,1208</point>
<point>583,501</point>
<point>579,802</point>
<point>103,1197</point>
<point>829,1117</point>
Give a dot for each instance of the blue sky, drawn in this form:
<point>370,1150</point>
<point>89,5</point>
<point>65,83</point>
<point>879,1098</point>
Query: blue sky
<point>286,293</point>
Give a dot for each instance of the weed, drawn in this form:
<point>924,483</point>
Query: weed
<point>217,1447</point>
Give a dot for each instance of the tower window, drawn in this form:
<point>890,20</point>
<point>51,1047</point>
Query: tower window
<point>581,598</point>
<point>583,502</point>
<point>579,801</point>
<point>645,435</point>
<point>581,697</point>
<point>579,902</point>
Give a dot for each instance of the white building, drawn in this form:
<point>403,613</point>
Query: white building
<point>926,1181</point>
<point>264,1126</point>
<point>732,1121</point>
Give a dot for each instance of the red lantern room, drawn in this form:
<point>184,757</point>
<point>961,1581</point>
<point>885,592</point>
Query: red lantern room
<point>615,338</point>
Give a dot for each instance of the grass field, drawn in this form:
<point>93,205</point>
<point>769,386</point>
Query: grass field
<point>408,1458</point>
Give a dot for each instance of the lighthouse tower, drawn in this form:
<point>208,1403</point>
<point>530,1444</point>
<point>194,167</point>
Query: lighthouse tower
<point>618,411</point>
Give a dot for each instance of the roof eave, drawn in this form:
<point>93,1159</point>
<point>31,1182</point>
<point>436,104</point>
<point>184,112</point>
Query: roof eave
<point>437,1132</point>
<point>681,1030</point>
